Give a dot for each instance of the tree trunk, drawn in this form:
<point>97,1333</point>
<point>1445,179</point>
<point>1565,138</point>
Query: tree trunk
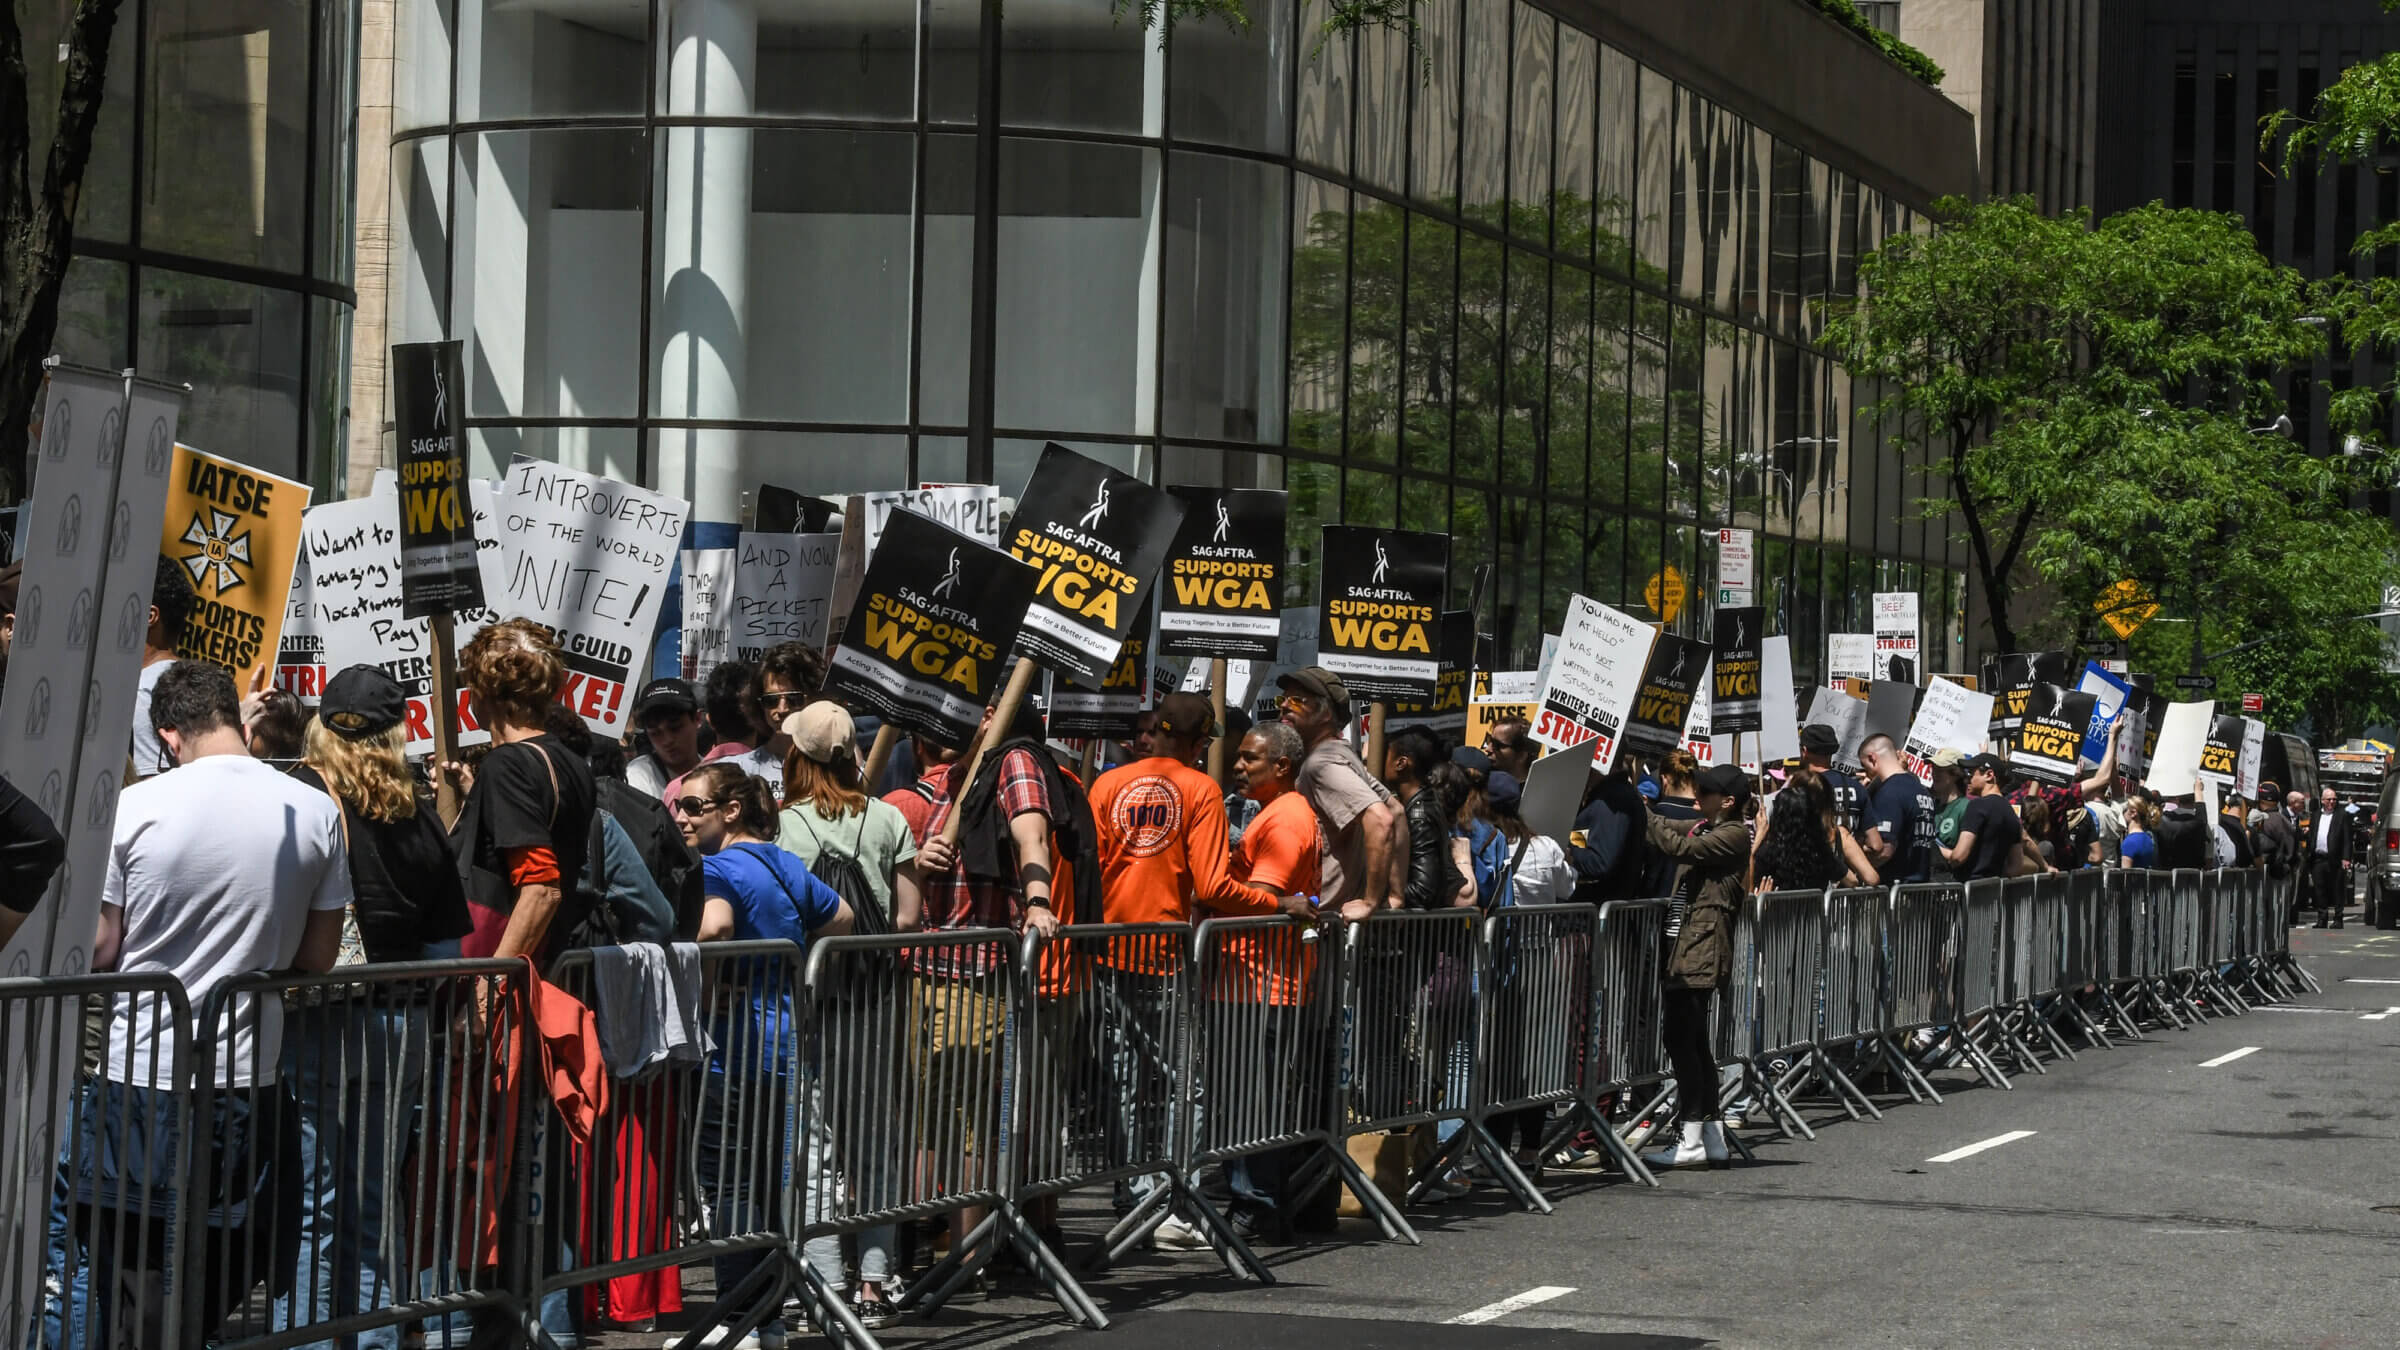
<point>37,225</point>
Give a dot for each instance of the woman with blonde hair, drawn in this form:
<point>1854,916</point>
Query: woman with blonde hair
<point>409,903</point>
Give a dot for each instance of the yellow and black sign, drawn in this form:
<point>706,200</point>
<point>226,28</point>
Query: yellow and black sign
<point>438,572</point>
<point>1483,714</point>
<point>1447,710</point>
<point>1115,711</point>
<point>2221,753</point>
<point>1382,607</point>
<point>2050,734</point>
<point>1663,705</point>
<point>1739,670</point>
<point>1223,595</point>
<point>234,532</point>
<point>1097,537</point>
<point>937,615</point>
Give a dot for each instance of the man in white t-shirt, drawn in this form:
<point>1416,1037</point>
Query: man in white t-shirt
<point>171,601</point>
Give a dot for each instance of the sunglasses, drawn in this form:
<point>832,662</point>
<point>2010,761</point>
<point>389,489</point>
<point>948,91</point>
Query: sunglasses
<point>695,806</point>
<point>1297,702</point>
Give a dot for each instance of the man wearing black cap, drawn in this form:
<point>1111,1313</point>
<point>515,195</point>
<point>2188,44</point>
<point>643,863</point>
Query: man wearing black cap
<point>668,714</point>
<point>1362,820</point>
<point>1990,837</point>
<point>1818,744</point>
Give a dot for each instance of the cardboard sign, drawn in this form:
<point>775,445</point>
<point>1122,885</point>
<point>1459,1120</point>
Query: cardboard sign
<point>1381,611</point>
<point>1952,717</point>
<point>1095,537</point>
<point>439,573</point>
<point>1848,718</point>
<point>1593,678</point>
<point>1553,790</point>
<point>2254,749</point>
<point>1114,710</point>
<point>938,615</point>
<point>1734,704</point>
<point>2108,699</point>
<point>1446,712</point>
<point>1896,635</point>
<point>2174,757</point>
<point>1223,592</point>
<point>1778,710</point>
<point>1662,707</point>
<point>1892,708</point>
<point>2048,744</point>
<point>233,530</point>
<point>708,580</point>
<point>1850,656</point>
<point>972,509</point>
<point>2221,750</point>
<point>588,558</point>
<point>782,592</point>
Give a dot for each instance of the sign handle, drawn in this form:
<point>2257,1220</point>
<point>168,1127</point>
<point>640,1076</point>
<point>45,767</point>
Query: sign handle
<point>880,754</point>
<point>1020,683</point>
<point>1375,715</point>
<point>1216,710</point>
<point>1083,763</point>
<point>445,714</point>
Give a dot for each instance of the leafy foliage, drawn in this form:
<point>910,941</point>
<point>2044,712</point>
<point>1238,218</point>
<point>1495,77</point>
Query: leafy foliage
<point>1906,57</point>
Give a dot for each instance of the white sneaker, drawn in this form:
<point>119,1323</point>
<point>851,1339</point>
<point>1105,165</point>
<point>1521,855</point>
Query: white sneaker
<point>768,1337</point>
<point>1688,1151</point>
<point>1712,1143</point>
<point>1177,1236</point>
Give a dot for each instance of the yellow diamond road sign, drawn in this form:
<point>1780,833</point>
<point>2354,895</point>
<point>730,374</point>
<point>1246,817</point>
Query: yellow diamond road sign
<point>2125,607</point>
<point>1664,593</point>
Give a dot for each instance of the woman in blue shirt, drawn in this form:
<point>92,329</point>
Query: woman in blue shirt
<point>2139,848</point>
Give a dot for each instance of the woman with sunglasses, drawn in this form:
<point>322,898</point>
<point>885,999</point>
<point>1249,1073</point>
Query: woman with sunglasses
<point>753,891</point>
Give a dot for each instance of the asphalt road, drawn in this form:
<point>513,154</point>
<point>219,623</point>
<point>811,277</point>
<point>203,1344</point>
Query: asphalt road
<point>2152,1200</point>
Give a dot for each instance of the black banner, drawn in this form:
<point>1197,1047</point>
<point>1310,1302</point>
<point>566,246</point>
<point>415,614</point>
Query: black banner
<point>438,574</point>
<point>1096,538</point>
<point>1115,710</point>
<point>1381,611</point>
<point>2221,754</point>
<point>783,511</point>
<point>936,619</point>
<point>1447,712</point>
<point>2051,724</point>
<point>1741,635</point>
<point>1222,595</point>
<point>1663,705</point>
<point>2011,679</point>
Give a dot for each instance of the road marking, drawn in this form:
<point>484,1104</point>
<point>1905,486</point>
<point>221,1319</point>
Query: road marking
<point>2377,1017</point>
<point>2229,1057</point>
<point>2289,1008</point>
<point>1972,1149</point>
<point>2361,979</point>
<point>1493,1312</point>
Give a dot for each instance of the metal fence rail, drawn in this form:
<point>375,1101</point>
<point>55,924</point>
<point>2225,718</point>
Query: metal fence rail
<point>1857,964</point>
<point>1537,1036</point>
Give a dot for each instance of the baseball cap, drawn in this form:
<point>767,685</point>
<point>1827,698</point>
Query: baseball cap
<point>1723,780</point>
<point>1474,761</point>
<point>664,696</point>
<point>1319,681</point>
<point>1819,738</point>
<point>1947,758</point>
<point>362,701</point>
<point>1503,792</point>
<point>823,731</point>
<point>1186,715</point>
<point>1988,763</point>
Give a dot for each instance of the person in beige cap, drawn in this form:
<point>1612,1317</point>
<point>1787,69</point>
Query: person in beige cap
<point>1364,828</point>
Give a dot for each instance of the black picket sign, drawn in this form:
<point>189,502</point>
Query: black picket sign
<point>438,574</point>
<point>1115,709</point>
<point>1095,537</point>
<point>1447,711</point>
<point>1222,593</point>
<point>2049,737</point>
<point>1741,641</point>
<point>1663,705</point>
<point>1379,625</point>
<point>937,616</point>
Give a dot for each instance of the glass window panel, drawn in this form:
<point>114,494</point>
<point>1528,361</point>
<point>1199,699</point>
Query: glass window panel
<point>1472,514</point>
<point>1526,433</point>
<point>853,60</point>
<point>1808,616</point>
<point>337,118</point>
<point>1486,112</point>
<point>1790,205</point>
<point>239,348</point>
<point>1793,435</point>
<point>1376,230</point>
<point>1816,259</point>
<point>1688,206</point>
<point>613,452</point>
<point>1775,582</point>
<point>1654,175</point>
<point>1721,421</point>
<point>1687,458</point>
<point>953,42</point>
<point>102,205</point>
<point>1845,237</point>
<point>1013,460</point>
<point>417,266</point>
<point>1369,498</point>
<point>1078,65</point>
<point>421,51</point>
<point>1683,550</point>
<point>520,60</point>
<point>1230,88</point>
<point>941,459</point>
<point>1432,343</point>
<point>1612,390</point>
<point>1516,571</point>
<point>227,173</point>
<point>1604,569</point>
<point>1224,297</point>
<point>540,215</point>
<point>1424,505</point>
<point>1325,70</point>
<point>1199,466</point>
<point>1753,476</point>
<point>1614,194</point>
<point>1386,69</point>
<point>1312,502</point>
<point>1531,117</point>
<point>1563,560</point>
<point>1645,545</point>
<point>327,452</point>
<point>1570,382</point>
<point>1074,354</point>
<point>946,297</point>
<point>91,314</point>
<point>1482,356</point>
<point>1578,96</point>
<point>1648,410</point>
<point>1754,238</point>
<point>1832,480</point>
<point>1320,313</point>
<point>1433,158</point>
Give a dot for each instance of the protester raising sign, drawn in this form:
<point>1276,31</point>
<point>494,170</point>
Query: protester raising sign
<point>1741,633</point>
<point>1224,589</point>
<point>936,613</point>
<point>1382,604</point>
<point>782,592</point>
<point>1952,717</point>
<point>1095,537</point>
<point>1115,709</point>
<point>2108,696</point>
<point>1592,679</point>
<point>1662,707</point>
<point>1446,712</point>
<point>2049,738</point>
<point>233,530</point>
<point>589,558</point>
<point>439,573</point>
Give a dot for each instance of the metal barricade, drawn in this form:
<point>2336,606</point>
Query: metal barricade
<point>2220,897</point>
<point>1982,933</point>
<point>2180,939</point>
<point>1788,931</point>
<point>1538,1032</point>
<point>1628,963</point>
<point>1857,963</point>
<point>2037,923</point>
<point>1266,1009</point>
<point>2086,947</point>
<point>367,1160</point>
<point>95,1152</point>
<point>1922,922</point>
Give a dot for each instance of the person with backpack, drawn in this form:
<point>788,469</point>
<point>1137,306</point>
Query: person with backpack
<point>858,845</point>
<point>640,880</point>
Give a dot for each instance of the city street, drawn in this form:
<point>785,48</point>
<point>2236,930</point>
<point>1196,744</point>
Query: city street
<point>2168,1193</point>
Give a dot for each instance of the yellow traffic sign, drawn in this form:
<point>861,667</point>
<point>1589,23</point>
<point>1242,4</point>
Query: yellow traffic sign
<point>1664,593</point>
<point>2125,607</point>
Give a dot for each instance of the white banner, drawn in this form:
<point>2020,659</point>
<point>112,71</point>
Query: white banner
<point>1896,632</point>
<point>1952,717</point>
<point>2254,748</point>
<point>972,509</point>
<point>2175,763</point>
<point>1850,656</point>
<point>1778,711</point>
<point>707,609</point>
<point>782,592</point>
<point>1592,679</point>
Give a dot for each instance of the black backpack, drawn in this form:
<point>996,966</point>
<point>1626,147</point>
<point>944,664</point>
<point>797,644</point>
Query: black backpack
<point>846,877</point>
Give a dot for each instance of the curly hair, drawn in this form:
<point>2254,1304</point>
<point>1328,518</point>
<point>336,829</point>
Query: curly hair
<point>368,775</point>
<point>798,665</point>
<point>1798,849</point>
<point>515,672</point>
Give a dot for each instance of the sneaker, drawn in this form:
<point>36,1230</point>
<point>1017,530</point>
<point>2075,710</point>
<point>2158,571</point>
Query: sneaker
<point>1177,1236</point>
<point>1262,1229</point>
<point>768,1337</point>
<point>1444,1189</point>
<point>875,1314</point>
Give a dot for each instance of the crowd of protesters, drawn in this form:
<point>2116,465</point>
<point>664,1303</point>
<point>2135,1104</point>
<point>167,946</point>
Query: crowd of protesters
<point>256,836</point>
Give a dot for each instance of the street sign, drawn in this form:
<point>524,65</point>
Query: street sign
<point>2200,683</point>
<point>2254,703</point>
<point>1735,557</point>
<point>2125,607</point>
<point>1734,597</point>
<point>1665,593</point>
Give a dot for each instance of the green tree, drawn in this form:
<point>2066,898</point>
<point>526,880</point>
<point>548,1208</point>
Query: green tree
<point>37,211</point>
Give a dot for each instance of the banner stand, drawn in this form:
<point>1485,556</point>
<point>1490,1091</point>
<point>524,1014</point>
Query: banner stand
<point>445,714</point>
<point>880,754</point>
<point>1083,767</point>
<point>1020,683</point>
<point>1375,715</point>
<point>1216,711</point>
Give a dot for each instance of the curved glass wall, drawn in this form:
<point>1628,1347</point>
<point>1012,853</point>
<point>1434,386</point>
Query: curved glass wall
<point>213,233</point>
<point>1512,286</point>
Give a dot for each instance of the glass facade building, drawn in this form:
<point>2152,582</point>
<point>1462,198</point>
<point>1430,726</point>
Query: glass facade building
<point>1511,285</point>
<point>213,233</point>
